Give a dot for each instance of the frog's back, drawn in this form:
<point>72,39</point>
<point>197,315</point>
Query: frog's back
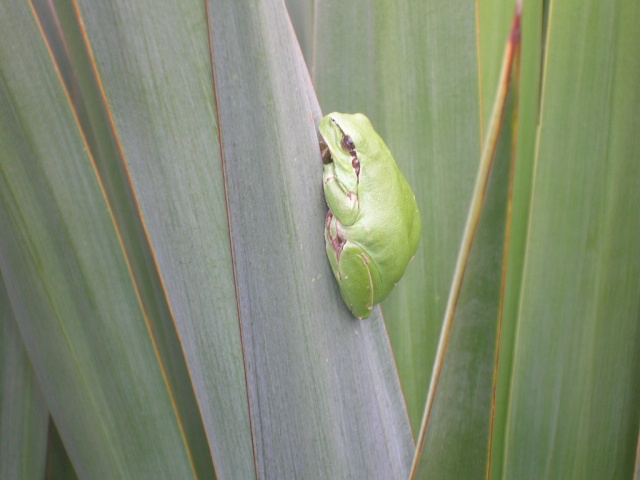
<point>389,221</point>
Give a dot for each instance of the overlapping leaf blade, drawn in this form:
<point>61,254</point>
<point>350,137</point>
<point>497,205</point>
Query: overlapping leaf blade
<point>68,280</point>
<point>161,106</point>
<point>458,436</point>
<point>528,110</point>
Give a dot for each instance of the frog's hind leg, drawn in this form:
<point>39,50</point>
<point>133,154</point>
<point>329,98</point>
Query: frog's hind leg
<point>357,280</point>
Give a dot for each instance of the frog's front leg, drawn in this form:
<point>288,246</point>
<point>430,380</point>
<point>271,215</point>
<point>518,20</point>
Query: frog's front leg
<point>341,201</point>
<point>356,274</point>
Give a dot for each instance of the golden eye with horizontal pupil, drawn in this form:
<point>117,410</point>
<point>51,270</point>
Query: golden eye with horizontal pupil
<point>347,143</point>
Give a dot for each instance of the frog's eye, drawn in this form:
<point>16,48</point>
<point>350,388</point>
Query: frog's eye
<point>347,143</point>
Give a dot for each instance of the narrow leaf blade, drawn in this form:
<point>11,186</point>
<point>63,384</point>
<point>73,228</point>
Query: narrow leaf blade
<point>162,112</point>
<point>23,412</point>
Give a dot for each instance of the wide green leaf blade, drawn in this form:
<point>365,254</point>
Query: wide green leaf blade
<point>575,398</point>
<point>324,396</point>
<point>68,280</point>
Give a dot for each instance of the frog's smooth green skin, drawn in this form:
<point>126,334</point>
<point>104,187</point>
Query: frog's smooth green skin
<point>373,224</point>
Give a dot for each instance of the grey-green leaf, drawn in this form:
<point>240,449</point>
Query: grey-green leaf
<point>323,391</point>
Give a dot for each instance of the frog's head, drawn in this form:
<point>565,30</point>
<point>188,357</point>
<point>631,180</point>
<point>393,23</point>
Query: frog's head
<point>344,136</point>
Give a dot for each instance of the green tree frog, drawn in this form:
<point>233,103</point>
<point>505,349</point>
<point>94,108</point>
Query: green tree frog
<point>373,224</point>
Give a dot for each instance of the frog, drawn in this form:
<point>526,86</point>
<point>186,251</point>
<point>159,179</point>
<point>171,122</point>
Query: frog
<point>373,224</point>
